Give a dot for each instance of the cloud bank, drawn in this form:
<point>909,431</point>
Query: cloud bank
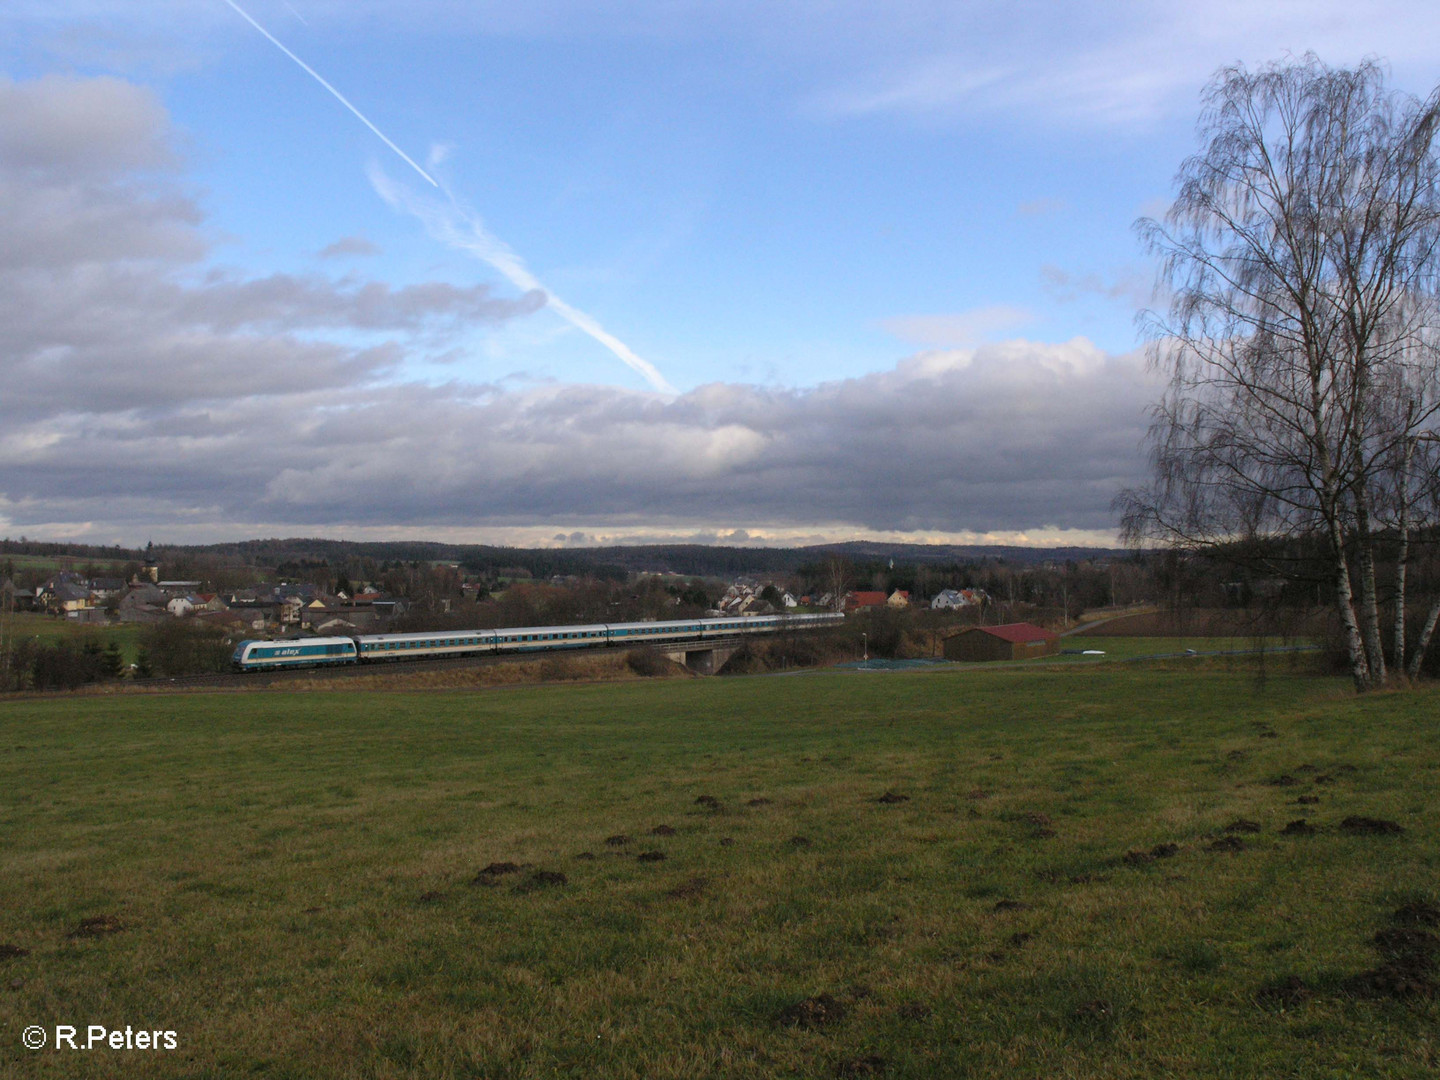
<point>151,393</point>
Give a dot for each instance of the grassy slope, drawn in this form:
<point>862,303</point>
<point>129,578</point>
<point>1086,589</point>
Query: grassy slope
<point>51,629</point>
<point>268,854</point>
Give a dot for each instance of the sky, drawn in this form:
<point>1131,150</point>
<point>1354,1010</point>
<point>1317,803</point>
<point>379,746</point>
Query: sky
<point>573,272</point>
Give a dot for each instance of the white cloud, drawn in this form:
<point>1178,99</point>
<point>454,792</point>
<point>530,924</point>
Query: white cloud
<point>961,329</point>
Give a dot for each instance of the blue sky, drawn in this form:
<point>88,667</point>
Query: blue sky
<point>879,257</point>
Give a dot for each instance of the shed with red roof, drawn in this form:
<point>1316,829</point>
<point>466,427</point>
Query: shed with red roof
<point>1012,641</point>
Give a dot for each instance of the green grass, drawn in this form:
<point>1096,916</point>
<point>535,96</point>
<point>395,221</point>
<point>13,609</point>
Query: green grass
<point>49,628</point>
<point>268,854</point>
<point>1129,648</point>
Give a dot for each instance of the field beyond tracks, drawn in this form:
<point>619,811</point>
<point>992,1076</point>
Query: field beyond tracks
<point>928,875</point>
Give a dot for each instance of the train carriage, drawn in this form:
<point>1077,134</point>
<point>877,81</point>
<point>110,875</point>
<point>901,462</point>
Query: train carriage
<point>517,639</point>
<point>379,648</point>
<point>655,633</point>
<point>309,652</point>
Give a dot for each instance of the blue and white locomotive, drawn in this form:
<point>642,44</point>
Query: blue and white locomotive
<point>377,648</point>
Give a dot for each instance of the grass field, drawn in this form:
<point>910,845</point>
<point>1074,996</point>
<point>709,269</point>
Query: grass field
<point>293,882</point>
<point>48,628</point>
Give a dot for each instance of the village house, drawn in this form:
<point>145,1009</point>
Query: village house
<point>954,599</point>
<point>865,599</point>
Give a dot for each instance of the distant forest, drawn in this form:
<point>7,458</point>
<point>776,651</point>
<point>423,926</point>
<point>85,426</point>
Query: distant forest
<point>604,562</point>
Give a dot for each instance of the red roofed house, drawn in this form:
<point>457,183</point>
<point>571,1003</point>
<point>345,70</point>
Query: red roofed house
<point>1013,641</point>
<point>864,599</point>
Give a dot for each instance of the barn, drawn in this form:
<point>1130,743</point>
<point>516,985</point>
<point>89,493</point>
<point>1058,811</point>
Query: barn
<point>1012,641</point>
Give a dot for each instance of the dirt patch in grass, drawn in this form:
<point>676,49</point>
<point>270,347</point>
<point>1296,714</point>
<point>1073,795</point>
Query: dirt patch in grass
<point>434,896</point>
<point>819,1011</point>
<point>1287,993</point>
<point>650,856</point>
<point>542,879</point>
<point>1141,858</point>
<point>586,856</point>
<point>1299,827</point>
<point>97,926</point>
<point>869,1065</point>
<point>1407,968</point>
<point>710,802</point>
<point>799,841</point>
<point>1232,844</point>
<point>1283,780</point>
<point>618,840</point>
<point>494,872</point>
<point>1243,825</point>
<point>977,794</point>
<point>662,830</point>
<point>12,952</point>
<point>690,890</point>
<point>726,841</point>
<point>1094,1010</point>
<point>1308,800</point>
<point>891,797</point>
<point>759,801</point>
<point>1011,905</point>
<point>1369,826</point>
<point>1040,821</point>
<point>1417,913</point>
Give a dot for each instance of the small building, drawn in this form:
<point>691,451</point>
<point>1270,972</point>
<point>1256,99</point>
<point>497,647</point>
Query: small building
<point>1012,641</point>
<point>900,598</point>
<point>864,599</point>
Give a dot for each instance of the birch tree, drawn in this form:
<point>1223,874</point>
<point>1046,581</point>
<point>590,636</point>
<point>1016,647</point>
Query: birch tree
<point>1300,259</point>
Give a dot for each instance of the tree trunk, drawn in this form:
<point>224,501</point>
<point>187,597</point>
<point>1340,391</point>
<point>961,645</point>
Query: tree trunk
<point>1345,607</point>
<point>1369,600</point>
<point>1420,646</point>
<point>1403,555</point>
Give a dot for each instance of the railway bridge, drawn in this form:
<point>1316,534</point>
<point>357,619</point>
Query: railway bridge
<point>703,657</point>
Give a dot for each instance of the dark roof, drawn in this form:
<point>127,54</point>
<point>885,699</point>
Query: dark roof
<point>1017,632</point>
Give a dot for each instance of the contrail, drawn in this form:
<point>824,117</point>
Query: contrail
<point>295,13</point>
<point>461,228</point>
<point>338,96</point>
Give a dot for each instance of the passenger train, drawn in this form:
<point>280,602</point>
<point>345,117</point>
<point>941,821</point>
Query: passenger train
<point>377,648</point>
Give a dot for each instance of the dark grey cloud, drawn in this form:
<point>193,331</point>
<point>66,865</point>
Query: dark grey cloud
<point>81,128</point>
<point>1012,437</point>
